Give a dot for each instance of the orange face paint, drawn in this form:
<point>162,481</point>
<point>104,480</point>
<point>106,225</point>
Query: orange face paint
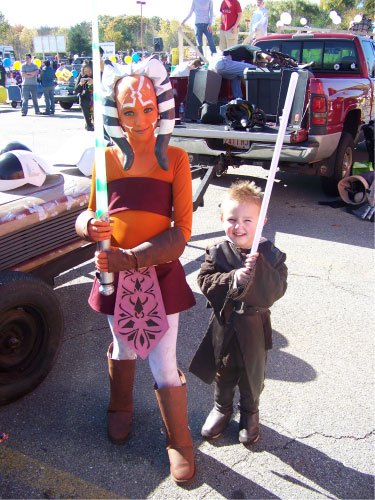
<point>137,108</point>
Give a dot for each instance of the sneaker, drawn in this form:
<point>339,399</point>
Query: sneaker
<point>23,114</point>
<point>45,113</point>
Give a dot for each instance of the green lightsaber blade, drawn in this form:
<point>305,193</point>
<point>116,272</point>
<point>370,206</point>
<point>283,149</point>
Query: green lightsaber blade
<point>106,279</point>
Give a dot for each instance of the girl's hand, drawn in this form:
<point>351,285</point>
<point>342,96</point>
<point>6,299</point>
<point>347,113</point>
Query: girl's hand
<point>99,230</point>
<point>115,260</point>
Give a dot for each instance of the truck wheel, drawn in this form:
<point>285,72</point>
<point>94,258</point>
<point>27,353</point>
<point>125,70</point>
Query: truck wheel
<point>342,167</point>
<point>66,105</point>
<point>31,331</point>
<point>13,104</point>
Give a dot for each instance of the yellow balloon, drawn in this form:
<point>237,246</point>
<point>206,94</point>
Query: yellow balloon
<point>128,59</point>
<point>38,62</point>
<point>112,59</point>
<point>17,65</point>
<point>3,95</point>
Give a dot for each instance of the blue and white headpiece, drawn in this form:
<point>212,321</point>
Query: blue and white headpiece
<point>156,72</point>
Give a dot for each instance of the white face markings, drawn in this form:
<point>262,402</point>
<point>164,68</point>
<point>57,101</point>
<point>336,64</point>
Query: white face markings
<point>137,96</point>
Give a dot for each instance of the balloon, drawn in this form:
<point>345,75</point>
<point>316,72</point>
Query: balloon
<point>38,62</point>
<point>135,57</point>
<point>17,65</point>
<point>74,73</point>
<point>7,62</point>
<point>58,73</point>
<point>113,59</point>
<point>128,59</point>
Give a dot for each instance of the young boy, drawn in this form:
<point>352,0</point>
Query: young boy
<point>240,288</point>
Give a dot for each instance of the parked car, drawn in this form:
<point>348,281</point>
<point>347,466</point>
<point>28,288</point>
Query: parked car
<point>37,242</point>
<point>64,91</point>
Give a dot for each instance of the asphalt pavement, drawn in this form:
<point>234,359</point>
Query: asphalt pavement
<point>317,407</point>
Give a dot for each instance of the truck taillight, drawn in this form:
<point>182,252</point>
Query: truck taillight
<point>318,110</point>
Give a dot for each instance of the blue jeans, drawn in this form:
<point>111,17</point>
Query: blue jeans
<point>232,70</point>
<point>49,96</point>
<point>27,92</point>
<point>200,30</point>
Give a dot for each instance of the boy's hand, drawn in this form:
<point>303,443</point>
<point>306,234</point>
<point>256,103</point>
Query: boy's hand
<point>242,275</point>
<point>251,261</point>
<point>99,230</point>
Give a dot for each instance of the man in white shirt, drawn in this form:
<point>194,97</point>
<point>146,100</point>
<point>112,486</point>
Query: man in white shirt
<point>203,10</point>
<point>259,22</point>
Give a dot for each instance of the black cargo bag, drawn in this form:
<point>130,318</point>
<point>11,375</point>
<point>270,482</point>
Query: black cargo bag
<point>210,113</point>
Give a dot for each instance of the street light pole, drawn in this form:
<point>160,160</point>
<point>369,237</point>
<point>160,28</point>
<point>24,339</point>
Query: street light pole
<point>141,4</point>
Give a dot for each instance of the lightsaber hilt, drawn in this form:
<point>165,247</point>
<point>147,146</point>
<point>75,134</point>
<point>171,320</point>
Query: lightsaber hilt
<point>106,286</point>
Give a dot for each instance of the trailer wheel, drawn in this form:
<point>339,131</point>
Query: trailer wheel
<point>13,104</point>
<point>31,331</point>
<point>342,167</point>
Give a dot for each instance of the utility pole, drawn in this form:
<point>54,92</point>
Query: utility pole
<point>141,4</point>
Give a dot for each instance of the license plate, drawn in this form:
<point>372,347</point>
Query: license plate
<point>238,143</point>
<point>64,92</point>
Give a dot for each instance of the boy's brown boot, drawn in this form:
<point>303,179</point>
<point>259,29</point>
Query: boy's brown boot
<point>249,428</point>
<point>173,409</point>
<point>220,415</point>
<point>120,408</point>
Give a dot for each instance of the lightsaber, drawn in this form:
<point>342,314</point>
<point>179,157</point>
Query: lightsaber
<point>275,161</point>
<point>106,279</point>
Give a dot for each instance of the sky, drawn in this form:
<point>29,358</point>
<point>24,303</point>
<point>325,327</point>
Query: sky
<point>67,13</point>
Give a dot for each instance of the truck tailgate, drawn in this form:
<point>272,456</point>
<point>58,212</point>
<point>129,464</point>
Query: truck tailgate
<point>267,133</point>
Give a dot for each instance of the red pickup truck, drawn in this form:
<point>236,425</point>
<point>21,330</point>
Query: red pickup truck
<point>334,98</point>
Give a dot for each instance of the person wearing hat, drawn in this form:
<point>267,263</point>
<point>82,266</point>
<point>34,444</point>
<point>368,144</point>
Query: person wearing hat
<point>147,182</point>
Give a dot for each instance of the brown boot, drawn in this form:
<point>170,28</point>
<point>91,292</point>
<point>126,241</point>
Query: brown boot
<point>120,408</point>
<point>173,409</point>
<point>249,428</point>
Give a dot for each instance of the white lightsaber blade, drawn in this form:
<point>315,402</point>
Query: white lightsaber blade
<point>275,161</point>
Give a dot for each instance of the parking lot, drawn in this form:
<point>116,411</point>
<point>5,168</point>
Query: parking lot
<point>317,409</point>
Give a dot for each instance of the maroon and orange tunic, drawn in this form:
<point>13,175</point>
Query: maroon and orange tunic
<point>141,207</point>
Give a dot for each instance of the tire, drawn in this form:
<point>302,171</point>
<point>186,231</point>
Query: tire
<point>31,332</point>
<point>66,105</point>
<point>13,104</point>
<point>342,167</point>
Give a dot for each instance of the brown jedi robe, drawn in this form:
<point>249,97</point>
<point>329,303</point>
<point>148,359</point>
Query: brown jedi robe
<point>267,283</point>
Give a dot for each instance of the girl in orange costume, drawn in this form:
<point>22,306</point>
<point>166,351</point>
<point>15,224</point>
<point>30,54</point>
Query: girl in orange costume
<point>141,199</point>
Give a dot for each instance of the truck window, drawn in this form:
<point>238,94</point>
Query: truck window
<point>313,51</point>
<point>369,50</point>
<point>328,55</point>
<point>340,56</point>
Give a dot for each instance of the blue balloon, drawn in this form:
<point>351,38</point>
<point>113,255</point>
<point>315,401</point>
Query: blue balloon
<point>75,73</point>
<point>7,62</point>
<point>135,57</point>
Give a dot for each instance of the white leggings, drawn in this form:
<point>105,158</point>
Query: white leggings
<point>162,358</point>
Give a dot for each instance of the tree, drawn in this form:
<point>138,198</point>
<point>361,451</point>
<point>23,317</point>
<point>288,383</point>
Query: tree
<point>4,27</point>
<point>79,39</point>
<point>26,41</point>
